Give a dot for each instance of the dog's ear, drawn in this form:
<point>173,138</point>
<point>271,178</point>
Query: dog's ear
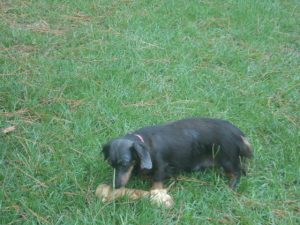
<point>143,154</point>
<point>105,150</point>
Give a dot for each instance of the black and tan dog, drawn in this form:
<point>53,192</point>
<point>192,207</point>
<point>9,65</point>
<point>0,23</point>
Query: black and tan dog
<point>185,145</point>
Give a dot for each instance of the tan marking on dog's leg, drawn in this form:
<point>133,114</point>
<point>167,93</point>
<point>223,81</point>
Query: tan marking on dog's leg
<point>157,185</point>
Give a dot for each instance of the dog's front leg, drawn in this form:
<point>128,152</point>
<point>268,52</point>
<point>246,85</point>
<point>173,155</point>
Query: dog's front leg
<point>157,185</point>
<point>158,178</point>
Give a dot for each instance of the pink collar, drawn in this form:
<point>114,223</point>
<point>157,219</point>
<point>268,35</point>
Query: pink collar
<point>140,137</point>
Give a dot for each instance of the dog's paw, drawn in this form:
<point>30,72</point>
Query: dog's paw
<point>161,197</point>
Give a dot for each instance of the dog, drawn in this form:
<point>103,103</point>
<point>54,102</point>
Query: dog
<point>192,144</point>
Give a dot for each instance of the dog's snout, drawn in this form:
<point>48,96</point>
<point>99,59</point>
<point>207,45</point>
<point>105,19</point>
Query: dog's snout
<point>120,180</point>
<point>122,177</point>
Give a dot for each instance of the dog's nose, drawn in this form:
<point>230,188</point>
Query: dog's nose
<point>118,183</point>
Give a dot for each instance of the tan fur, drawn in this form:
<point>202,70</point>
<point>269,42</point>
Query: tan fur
<point>126,176</point>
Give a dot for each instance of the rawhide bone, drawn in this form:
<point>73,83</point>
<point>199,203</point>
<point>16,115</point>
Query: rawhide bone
<point>157,196</point>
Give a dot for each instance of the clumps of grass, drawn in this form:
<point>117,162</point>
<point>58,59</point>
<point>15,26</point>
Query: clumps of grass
<point>75,74</point>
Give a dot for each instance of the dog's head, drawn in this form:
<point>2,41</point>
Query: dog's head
<point>123,155</point>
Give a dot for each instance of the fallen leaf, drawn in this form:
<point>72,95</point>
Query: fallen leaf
<point>9,129</point>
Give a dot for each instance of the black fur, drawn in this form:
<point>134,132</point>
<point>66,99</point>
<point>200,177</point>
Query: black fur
<point>184,145</point>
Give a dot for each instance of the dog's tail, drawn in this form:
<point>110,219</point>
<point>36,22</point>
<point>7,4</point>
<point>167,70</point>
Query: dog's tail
<point>245,148</point>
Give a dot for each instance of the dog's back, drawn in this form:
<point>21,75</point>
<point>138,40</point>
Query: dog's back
<point>203,130</point>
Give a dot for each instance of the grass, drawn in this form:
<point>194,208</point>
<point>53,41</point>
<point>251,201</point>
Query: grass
<point>74,74</point>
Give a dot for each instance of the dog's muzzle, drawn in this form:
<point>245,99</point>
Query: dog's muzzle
<point>122,177</point>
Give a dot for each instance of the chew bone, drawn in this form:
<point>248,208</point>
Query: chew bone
<point>159,196</point>
<point>107,194</point>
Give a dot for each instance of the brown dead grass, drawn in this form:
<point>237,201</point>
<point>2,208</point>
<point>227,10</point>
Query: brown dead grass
<point>72,103</point>
<point>20,48</point>
<point>19,112</point>
<point>78,17</point>
<point>41,26</point>
<point>24,114</point>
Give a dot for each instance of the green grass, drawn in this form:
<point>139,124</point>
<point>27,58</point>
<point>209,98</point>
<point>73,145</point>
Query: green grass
<point>74,74</point>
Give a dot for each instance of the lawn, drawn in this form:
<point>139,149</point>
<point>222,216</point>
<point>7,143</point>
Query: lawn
<point>74,74</point>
